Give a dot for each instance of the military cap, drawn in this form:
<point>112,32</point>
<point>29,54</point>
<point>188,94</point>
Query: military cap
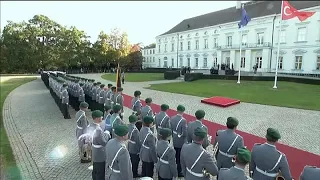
<point>273,134</point>
<point>164,107</point>
<point>200,114</point>
<point>113,88</point>
<point>84,105</point>
<point>64,85</point>
<point>94,84</point>
<point>137,93</point>
<point>148,120</point>
<point>120,89</point>
<point>107,107</point>
<point>97,114</point>
<point>102,86</point>
<point>81,84</point>
<point>109,85</point>
<point>121,130</point>
<point>98,83</point>
<point>165,132</point>
<point>148,100</point>
<point>181,108</point>
<point>117,108</point>
<point>133,118</point>
<point>243,155</point>
<point>200,132</point>
<point>232,121</point>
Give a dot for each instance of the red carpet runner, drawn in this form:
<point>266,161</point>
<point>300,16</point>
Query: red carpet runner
<point>220,101</point>
<point>297,158</point>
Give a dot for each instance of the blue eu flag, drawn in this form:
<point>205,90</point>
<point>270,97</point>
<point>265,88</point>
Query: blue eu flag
<point>244,19</point>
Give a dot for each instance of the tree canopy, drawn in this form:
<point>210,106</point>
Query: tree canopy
<point>42,43</point>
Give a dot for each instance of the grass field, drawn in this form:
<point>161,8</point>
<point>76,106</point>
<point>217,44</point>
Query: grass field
<point>288,94</point>
<point>136,77</point>
<point>7,157</point>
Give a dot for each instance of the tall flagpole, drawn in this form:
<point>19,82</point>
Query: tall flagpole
<point>278,51</point>
<point>240,55</point>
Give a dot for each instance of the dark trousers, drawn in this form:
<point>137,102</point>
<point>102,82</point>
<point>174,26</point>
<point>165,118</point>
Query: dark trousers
<point>178,150</point>
<point>160,178</point>
<point>147,169</point>
<point>98,172</point>
<point>122,81</point>
<point>65,111</point>
<point>135,162</point>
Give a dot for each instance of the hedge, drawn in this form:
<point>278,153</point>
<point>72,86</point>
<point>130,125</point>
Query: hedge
<point>170,75</point>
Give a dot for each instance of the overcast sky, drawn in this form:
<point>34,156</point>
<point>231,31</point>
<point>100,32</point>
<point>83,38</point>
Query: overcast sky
<point>142,20</point>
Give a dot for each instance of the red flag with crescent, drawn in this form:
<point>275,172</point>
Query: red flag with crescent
<point>289,12</point>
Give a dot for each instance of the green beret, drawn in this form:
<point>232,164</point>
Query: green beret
<point>164,107</point>
<point>64,85</point>
<point>92,80</point>
<point>109,85</point>
<point>244,155</point>
<point>121,130</point>
<point>148,120</point>
<point>76,81</point>
<point>120,89</point>
<point>133,118</point>
<point>181,108</point>
<point>98,83</point>
<point>165,132</point>
<point>94,84</point>
<point>273,134</point>
<point>117,108</point>
<point>102,86</point>
<point>97,114</point>
<point>232,121</point>
<point>148,100</point>
<point>200,132</point>
<point>107,107</point>
<point>200,114</point>
<point>113,88</point>
<point>137,93</point>
<point>84,105</point>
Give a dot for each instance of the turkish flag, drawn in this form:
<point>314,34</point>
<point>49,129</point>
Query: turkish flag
<point>289,12</point>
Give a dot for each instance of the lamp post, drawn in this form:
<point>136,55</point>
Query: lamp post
<point>177,50</point>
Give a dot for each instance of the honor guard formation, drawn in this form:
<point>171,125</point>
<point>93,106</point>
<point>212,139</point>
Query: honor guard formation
<point>115,148</point>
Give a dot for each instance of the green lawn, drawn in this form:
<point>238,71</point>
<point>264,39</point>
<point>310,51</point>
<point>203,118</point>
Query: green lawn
<point>288,94</point>
<point>6,152</point>
<point>136,77</point>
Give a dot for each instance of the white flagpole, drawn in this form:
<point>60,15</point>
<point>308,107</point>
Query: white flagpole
<point>240,55</point>
<point>278,51</point>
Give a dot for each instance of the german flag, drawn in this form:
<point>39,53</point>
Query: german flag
<point>118,80</point>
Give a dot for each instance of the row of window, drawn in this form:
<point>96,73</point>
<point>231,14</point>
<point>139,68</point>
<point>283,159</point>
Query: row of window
<point>148,51</point>
<point>150,59</point>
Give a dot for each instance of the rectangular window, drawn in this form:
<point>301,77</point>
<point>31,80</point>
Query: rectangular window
<point>318,63</point>
<point>260,38</point>
<point>298,63</point>
<point>181,62</point>
<point>215,42</point>
<point>159,48</point>
<point>244,39</point>
<point>259,62</point>
<point>302,34</point>
<point>280,62</point>
<point>181,46</point>
<point>165,48</point>
<point>172,62</point>
<point>153,51</point>
<point>197,62</point>
<point>197,44</point>
<point>228,61</point>
<point>172,47</point>
<point>188,62</point>
<point>229,41</point>
<point>282,36</point>
<point>215,62</point>
<point>205,62</point>
<point>165,64</point>
<point>150,51</point>
<point>159,63</point>
<point>206,43</point>
<point>243,62</point>
<point>189,45</point>
<point>153,59</point>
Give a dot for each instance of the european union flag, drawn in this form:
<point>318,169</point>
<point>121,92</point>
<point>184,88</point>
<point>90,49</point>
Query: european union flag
<point>244,19</point>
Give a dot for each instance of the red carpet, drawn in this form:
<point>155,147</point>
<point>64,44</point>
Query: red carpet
<point>220,101</point>
<point>297,158</point>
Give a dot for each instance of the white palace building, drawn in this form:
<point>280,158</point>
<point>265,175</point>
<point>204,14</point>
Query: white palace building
<point>205,41</point>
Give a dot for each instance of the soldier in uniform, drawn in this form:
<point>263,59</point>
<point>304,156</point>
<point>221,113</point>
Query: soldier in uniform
<point>162,119</point>
<point>93,96</point>
<point>100,98</point>
<point>118,100</point>
<point>267,161</point>
<point>310,173</point>
<point>107,117</point>
<point>65,102</point>
<point>136,108</point>
<point>118,159</point>
<point>107,100</point>
<point>238,171</point>
<point>166,166</point>
<point>115,118</point>
<point>198,123</point>
<point>228,144</point>
<point>179,137</point>
<point>195,159</point>
<point>148,153</point>
<point>134,145</point>
<point>76,95</point>
<point>112,95</point>
<point>147,111</point>
<point>99,142</point>
<point>81,93</point>
<point>82,124</point>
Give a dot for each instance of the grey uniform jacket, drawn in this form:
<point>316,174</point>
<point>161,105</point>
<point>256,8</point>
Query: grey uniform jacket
<point>81,95</point>
<point>146,111</point>
<point>166,166</point>
<point>148,145</point>
<point>265,157</point>
<point>98,90</point>
<point>107,100</point>
<point>134,143</point>
<point>76,90</point>
<point>179,130</point>
<point>99,142</point>
<point>93,92</point>
<point>191,127</point>
<point>162,120</point>
<point>115,120</point>
<point>191,168</point>
<point>101,97</point>
<point>65,96</point>
<point>136,105</point>
<point>310,173</point>
<point>228,143</point>
<point>82,123</point>
<point>118,161</point>
<point>234,173</point>
<point>119,99</point>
